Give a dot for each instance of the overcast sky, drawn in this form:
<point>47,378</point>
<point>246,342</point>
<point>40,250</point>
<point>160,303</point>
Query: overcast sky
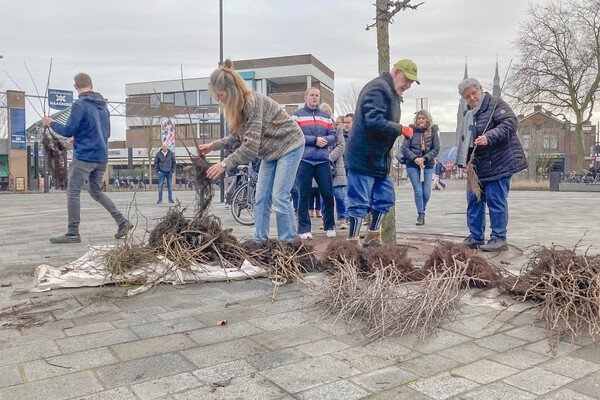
<point>119,42</point>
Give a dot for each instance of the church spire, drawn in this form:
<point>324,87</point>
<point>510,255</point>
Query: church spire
<point>466,71</point>
<point>496,90</point>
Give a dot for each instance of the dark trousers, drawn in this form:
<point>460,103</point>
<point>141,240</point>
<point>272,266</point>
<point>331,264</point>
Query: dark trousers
<point>322,174</point>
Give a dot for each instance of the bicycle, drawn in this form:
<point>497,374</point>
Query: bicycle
<point>242,202</point>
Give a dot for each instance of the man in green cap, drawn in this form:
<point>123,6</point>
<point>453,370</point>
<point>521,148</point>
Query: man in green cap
<point>368,151</point>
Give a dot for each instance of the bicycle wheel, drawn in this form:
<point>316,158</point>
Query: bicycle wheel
<point>242,205</point>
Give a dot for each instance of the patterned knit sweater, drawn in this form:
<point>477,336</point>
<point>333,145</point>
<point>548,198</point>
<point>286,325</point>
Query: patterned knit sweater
<point>267,132</point>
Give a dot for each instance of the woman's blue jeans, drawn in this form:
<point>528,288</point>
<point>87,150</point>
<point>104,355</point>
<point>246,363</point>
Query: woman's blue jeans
<point>495,195</point>
<point>275,181</point>
<point>422,190</point>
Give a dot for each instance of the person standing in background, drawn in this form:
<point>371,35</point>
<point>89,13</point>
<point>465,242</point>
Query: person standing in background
<point>164,164</point>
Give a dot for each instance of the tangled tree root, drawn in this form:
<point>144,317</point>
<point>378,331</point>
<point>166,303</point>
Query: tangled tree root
<point>565,288</point>
<point>54,149</point>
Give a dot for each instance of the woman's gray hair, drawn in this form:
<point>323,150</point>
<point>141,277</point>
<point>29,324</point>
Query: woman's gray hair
<point>468,83</point>
<point>325,107</point>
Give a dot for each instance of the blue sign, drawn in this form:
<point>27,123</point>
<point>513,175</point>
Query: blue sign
<point>17,128</point>
<point>60,99</point>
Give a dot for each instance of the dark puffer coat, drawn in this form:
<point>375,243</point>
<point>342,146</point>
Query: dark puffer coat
<point>411,148</point>
<point>503,156</point>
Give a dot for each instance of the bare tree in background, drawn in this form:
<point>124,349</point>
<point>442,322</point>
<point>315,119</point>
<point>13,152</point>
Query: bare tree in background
<point>384,14</point>
<point>346,103</point>
<point>3,123</point>
<point>151,127</point>
<point>559,48</point>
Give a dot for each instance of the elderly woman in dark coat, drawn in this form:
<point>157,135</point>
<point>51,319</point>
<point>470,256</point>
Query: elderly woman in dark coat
<point>489,126</point>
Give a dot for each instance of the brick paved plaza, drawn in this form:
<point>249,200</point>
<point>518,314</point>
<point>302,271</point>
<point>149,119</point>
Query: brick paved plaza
<point>96,343</point>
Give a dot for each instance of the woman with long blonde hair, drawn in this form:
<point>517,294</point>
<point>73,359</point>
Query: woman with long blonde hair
<point>419,153</point>
<point>265,131</point>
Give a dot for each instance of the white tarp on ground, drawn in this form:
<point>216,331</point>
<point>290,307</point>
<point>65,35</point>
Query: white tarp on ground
<point>89,271</point>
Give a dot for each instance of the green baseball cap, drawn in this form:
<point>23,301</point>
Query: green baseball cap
<point>409,68</point>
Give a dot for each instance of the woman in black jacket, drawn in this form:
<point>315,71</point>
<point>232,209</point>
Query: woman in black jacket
<point>419,153</point>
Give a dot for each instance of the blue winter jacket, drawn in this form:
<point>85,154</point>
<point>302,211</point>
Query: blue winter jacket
<point>89,125</point>
<point>375,128</point>
<point>315,123</point>
<point>411,148</point>
<point>503,156</point>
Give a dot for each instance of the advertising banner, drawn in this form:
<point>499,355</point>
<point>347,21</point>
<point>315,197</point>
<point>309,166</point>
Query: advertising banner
<point>17,128</point>
<point>167,129</point>
<point>60,99</point>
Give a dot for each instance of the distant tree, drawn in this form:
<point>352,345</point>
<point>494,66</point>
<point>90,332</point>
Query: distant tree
<point>559,50</point>
<point>384,13</point>
<point>152,135</point>
<point>346,103</point>
<point>3,123</point>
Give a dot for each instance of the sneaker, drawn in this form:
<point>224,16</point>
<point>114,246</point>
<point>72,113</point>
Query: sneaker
<point>171,201</point>
<point>343,224</point>
<point>123,230</point>
<point>322,227</point>
<point>330,233</point>
<point>158,202</point>
<point>305,236</point>
<point>227,206</point>
<point>494,244</point>
<point>319,215</point>
<point>472,243</point>
<point>66,239</point>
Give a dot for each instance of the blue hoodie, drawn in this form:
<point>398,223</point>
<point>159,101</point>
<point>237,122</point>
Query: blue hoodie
<point>315,123</point>
<point>89,125</point>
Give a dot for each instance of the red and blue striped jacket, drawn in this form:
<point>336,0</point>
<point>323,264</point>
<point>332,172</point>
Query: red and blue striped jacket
<point>315,123</point>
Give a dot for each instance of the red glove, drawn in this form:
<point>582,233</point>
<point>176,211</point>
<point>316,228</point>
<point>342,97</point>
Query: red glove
<point>407,131</point>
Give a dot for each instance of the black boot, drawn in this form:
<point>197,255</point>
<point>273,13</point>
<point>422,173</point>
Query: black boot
<point>421,219</point>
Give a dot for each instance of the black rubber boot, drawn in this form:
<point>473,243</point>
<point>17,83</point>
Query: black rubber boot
<point>421,219</point>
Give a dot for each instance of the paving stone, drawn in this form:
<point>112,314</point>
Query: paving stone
<point>399,393</point>
<point>113,394</point>
<point>500,342</point>
<point>376,355</point>
<point>429,364</point>
<point>466,353</point>
<point>139,316</point>
<point>97,318</point>
<point>498,391</point>
<point>136,371</point>
<point>590,354</point>
<point>223,352</point>
<point>568,394</point>
<point>443,386</point>
<point>537,380</point>
<point>476,327</point>
<point>321,347</point>
<point>276,358</point>
<point>47,331</point>
<point>10,375</point>
<point>280,306</point>
<point>528,333</point>
<point>250,387</point>
<point>276,340</point>
<point>570,366</point>
<point>90,309</point>
<point>166,327</point>
<point>232,315</point>
<point>543,347</point>
<point>154,346</point>
<point>94,340</point>
<point>440,340</point>
<point>310,373</point>
<point>166,386</point>
<point>485,371</point>
<point>519,358</point>
<point>33,351</point>
<point>222,333</point>
<point>224,371</point>
<point>177,314</point>
<point>91,328</point>
<point>384,379</point>
<point>68,363</point>
<point>280,321</point>
<point>589,385</point>
<point>340,390</point>
<point>57,388</point>
<point>149,299</point>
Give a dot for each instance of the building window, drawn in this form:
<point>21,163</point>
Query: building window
<point>550,141</point>
<point>169,97</point>
<point>526,141</point>
<point>179,99</point>
<point>206,98</point>
<point>258,84</point>
<point>185,131</point>
<point>191,98</point>
<point>271,88</point>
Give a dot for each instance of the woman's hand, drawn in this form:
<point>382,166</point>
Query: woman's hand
<point>481,140</point>
<point>321,142</point>
<point>205,148</point>
<point>215,171</point>
<point>420,161</point>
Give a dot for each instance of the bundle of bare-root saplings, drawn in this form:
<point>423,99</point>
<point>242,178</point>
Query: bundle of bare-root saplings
<point>565,288</point>
<point>379,290</point>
